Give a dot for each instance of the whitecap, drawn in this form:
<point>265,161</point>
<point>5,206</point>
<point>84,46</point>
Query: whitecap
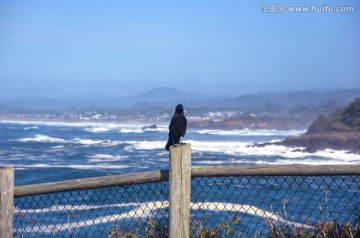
<point>57,147</point>
<point>97,129</point>
<point>42,139</point>
<point>86,141</point>
<point>145,145</point>
<point>129,130</point>
<point>81,141</point>
<point>87,125</point>
<point>105,127</point>
<point>157,129</point>
<point>143,129</point>
<point>147,209</point>
<point>247,149</point>
<point>73,166</point>
<point>31,128</point>
<point>248,132</point>
<point>105,158</point>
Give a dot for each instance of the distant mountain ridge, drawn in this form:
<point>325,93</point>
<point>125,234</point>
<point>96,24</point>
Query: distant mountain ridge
<point>162,96</point>
<point>167,97</point>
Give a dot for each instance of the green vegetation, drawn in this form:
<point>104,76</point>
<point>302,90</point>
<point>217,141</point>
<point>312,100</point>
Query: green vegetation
<point>329,229</point>
<point>320,230</point>
<point>153,230</point>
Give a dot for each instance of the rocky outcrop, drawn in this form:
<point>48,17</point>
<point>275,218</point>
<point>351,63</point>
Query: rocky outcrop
<point>349,141</point>
<point>339,130</point>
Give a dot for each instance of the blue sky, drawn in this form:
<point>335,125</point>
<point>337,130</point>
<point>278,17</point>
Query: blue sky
<point>117,48</point>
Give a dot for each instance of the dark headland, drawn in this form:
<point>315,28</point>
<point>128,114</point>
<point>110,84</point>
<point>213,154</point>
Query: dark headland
<point>339,131</point>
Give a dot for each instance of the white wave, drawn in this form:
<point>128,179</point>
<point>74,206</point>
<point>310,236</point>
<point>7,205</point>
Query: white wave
<point>86,141</point>
<point>144,129</point>
<point>57,147</point>
<point>129,130</point>
<point>261,155</point>
<point>57,207</point>
<point>73,166</point>
<point>105,127</point>
<point>97,129</point>
<point>47,139</point>
<point>100,126</point>
<point>248,132</point>
<point>144,210</point>
<point>157,129</point>
<point>49,123</point>
<point>145,145</point>
<point>105,158</point>
<point>42,139</point>
<point>286,155</point>
<point>125,129</point>
<point>31,128</point>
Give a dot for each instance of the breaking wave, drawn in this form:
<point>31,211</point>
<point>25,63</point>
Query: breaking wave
<point>247,132</point>
<point>74,166</point>
<point>144,210</point>
<point>42,139</point>
<point>106,158</point>
<point>256,155</point>
<point>31,128</point>
<point>38,138</point>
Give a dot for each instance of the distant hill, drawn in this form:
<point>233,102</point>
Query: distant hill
<point>340,130</point>
<point>166,97</point>
<point>296,99</point>
<point>162,96</point>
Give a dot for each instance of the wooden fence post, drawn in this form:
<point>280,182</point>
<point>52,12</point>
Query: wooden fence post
<point>6,202</point>
<point>180,183</point>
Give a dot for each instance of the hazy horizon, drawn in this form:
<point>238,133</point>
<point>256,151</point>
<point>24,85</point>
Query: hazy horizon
<point>116,48</point>
<point>104,96</point>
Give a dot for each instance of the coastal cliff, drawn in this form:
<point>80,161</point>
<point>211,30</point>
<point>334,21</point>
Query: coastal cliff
<point>340,131</point>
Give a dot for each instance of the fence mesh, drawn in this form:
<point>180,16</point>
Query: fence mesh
<point>92,212</point>
<point>269,205</point>
<point>243,206</point>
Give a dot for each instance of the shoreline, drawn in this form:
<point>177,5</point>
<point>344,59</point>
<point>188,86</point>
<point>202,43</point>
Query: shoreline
<point>295,140</point>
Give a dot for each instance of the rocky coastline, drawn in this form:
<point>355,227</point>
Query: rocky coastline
<point>339,131</point>
<point>252,123</point>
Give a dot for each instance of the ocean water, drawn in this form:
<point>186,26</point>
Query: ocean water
<point>50,151</point>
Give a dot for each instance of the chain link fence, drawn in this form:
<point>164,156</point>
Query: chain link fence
<point>263,206</point>
<point>101,212</point>
<point>241,206</point>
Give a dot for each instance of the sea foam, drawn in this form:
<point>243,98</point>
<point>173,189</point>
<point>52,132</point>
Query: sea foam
<point>38,138</point>
<point>145,210</point>
<point>248,132</point>
<point>42,139</point>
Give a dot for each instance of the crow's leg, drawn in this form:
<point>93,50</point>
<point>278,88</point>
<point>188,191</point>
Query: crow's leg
<point>169,143</point>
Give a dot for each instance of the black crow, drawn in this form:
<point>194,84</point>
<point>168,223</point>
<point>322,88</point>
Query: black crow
<point>177,127</point>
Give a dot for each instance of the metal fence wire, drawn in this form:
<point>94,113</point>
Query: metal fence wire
<point>101,212</point>
<point>263,206</point>
<point>240,206</point>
